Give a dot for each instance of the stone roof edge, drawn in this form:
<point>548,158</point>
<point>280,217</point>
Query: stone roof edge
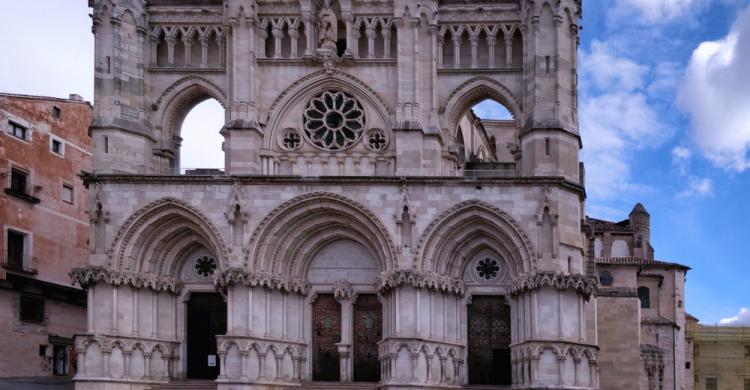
<point>630,260</point>
<point>47,98</point>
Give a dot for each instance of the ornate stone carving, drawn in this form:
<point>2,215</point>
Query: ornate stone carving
<point>327,27</point>
<point>85,276</point>
<point>342,290</point>
<point>584,285</point>
<point>391,279</point>
<point>261,279</point>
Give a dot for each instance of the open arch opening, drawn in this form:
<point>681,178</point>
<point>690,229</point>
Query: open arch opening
<point>201,143</point>
<point>485,135</point>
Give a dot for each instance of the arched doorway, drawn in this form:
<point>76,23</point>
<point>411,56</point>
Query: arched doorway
<point>347,323</point>
<point>488,324</point>
<point>206,319</point>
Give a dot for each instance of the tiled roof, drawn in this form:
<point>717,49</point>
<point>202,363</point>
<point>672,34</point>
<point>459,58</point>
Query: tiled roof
<point>638,261</point>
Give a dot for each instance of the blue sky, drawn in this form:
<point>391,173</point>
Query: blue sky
<point>664,111</point>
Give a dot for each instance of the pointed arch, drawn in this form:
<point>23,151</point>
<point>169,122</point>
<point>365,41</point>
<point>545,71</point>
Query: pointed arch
<point>474,91</point>
<point>156,238</point>
<point>451,238</point>
<point>313,83</point>
<point>286,240</point>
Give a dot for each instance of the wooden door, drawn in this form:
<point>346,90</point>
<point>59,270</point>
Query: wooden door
<point>206,318</point>
<point>368,331</point>
<point>489,341</point>
<point>326,333</point>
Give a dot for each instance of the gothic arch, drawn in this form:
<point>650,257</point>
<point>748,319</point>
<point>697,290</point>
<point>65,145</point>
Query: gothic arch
<point>475,90</point>
<point>307,86</point>
<point>156,238</point>
<point>466,227</point>
<point>179,98</point>
<point>289,236</point>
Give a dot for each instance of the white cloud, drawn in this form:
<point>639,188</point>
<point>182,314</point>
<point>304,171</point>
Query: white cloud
<point>616,119</point>
<point>681,159</point>
<point>742,318</point>
<point>201,141</point>
<point>698,187</point>
<point>716,93</point>
<point>656,11</point>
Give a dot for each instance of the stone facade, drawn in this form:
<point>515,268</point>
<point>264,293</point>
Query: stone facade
<point>44,145</point>
<point>720,356</point>
<point>343,179</point>
<point>640,307</point>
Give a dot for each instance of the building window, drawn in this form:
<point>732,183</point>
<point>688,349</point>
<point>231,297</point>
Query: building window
<point>712,384</point>
<point>17,130</point>
<point>19,181</point>
<point>644,296</point>
<point>747,351</point>
<point>546,147</point>
<point>67,193</point>
<point>32,309</point>
<point>56,112</point>
<point>15,247</point>
<point>747,383</point>
<point>606,278</point>
<point>57,146</point>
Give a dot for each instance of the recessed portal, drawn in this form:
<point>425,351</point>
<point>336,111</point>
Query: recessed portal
<point>326,333</point>
<point>206,318</point>
<point>368,331</point>
<point>489,341</point>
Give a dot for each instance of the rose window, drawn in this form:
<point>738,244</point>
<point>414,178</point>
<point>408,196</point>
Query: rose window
<point>488,268</point>
<point>377,140</point>
<point>205,266</point>
<point>334,120</point>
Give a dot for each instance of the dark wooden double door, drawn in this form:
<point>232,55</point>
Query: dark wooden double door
<point>367,332</point>
<point>489,340</point>
<point>206,318</point>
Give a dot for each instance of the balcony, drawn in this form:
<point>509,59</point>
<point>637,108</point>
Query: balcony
<point>20,264</point>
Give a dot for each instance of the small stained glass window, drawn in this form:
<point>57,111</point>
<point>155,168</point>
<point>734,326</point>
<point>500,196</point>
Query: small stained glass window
<point>205,266</point>
<point>488,268</point>
<point>606,278</point>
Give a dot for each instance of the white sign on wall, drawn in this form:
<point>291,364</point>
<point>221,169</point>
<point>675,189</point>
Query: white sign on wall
<point>212,360</point>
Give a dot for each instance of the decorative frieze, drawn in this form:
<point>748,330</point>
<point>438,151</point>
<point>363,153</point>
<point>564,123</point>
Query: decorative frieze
<point>582,284</point>
<point>85,276</point>
<point>392,279</point>
<point>261,279</point>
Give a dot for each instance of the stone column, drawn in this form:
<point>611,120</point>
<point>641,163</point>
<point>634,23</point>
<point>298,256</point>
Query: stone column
<point>188,43</point>
<point>474,41</point>
<point>204,51</point>
<point>222,364</point>
<point>278,34</point>
<point>491,51</point>
<point>350,42</point>
<point>90,310</point>
<point>386,42</point>
<point>509,50</point>
<point>81,359</point>
<point>126,357</point>
<point>370,33</point>
<point>456,51</point>
<point>147,365</point>
<point>346,297</point>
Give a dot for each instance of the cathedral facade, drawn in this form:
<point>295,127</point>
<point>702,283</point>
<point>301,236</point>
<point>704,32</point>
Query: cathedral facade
<point>366,227</point>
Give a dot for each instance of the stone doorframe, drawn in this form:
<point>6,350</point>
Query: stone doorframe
<point>346,295</point>
<point>181,328</point>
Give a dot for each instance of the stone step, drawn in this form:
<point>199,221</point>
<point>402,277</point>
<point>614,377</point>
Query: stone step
<point>186,385</point>
<point>336,386</point>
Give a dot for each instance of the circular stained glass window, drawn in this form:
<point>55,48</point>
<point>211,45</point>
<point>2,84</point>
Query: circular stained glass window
<point>334,120</point>
<point>488,268</point>
<point>205,266</point>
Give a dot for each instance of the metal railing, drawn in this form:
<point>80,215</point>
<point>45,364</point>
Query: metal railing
<point>469,173</point>
<point>23,263</point>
